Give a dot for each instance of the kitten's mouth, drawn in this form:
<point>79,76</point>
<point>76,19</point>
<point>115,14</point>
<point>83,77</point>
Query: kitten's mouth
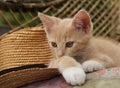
<point>59,56</point>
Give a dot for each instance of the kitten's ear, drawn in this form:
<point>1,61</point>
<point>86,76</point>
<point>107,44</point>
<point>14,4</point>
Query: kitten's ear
<point>81,21</point>
<point>47,21</point>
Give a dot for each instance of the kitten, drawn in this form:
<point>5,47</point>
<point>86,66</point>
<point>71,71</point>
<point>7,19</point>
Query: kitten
<point>74,48</point>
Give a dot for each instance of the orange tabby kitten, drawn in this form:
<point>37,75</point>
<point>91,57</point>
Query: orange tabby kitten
<point>74,48</point>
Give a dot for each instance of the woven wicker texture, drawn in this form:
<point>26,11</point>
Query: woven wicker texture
<point>26,46</point>
<point>104,13</point>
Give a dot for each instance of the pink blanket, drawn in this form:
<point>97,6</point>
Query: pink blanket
<point>56,82</point>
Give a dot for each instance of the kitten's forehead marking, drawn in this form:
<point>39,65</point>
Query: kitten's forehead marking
<point>61,33</point>
<point>61,30</point>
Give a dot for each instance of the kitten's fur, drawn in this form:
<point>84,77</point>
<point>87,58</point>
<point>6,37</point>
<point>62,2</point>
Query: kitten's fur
<point>87,53</point>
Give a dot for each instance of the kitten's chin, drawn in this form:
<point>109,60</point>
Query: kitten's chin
<point>57,57</point>
<point>71,54</point>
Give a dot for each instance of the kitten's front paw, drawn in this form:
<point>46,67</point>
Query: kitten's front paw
<point>74,75</point>
<point>92,65</point>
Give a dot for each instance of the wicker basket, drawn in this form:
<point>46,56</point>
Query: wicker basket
<point>105,14</point>
<point>23,56</point>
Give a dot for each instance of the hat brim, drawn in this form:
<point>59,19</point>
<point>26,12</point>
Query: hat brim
<point>20,77</point>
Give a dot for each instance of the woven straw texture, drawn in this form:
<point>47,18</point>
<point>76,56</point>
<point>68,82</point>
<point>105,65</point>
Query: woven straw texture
<point>20,48</point>
<point>19,78</point>
<point>27,46</point>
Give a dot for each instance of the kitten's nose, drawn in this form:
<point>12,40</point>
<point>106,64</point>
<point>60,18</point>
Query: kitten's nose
<point>61,53</point>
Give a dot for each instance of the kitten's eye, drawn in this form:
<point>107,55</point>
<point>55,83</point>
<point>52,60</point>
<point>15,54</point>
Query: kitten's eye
<point>53,44</point>
<point>69,44</point>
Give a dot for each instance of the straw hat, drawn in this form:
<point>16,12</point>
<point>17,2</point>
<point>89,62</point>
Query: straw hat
<point>24,55</point>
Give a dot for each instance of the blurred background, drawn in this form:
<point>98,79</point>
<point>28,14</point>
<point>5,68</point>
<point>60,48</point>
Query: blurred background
<point>18,14</point>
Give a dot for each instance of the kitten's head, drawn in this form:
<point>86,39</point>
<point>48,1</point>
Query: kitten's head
<point>68,36</point>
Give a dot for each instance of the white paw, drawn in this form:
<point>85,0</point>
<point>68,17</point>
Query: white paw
<point>92,65</point>
<point>74,75</point>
